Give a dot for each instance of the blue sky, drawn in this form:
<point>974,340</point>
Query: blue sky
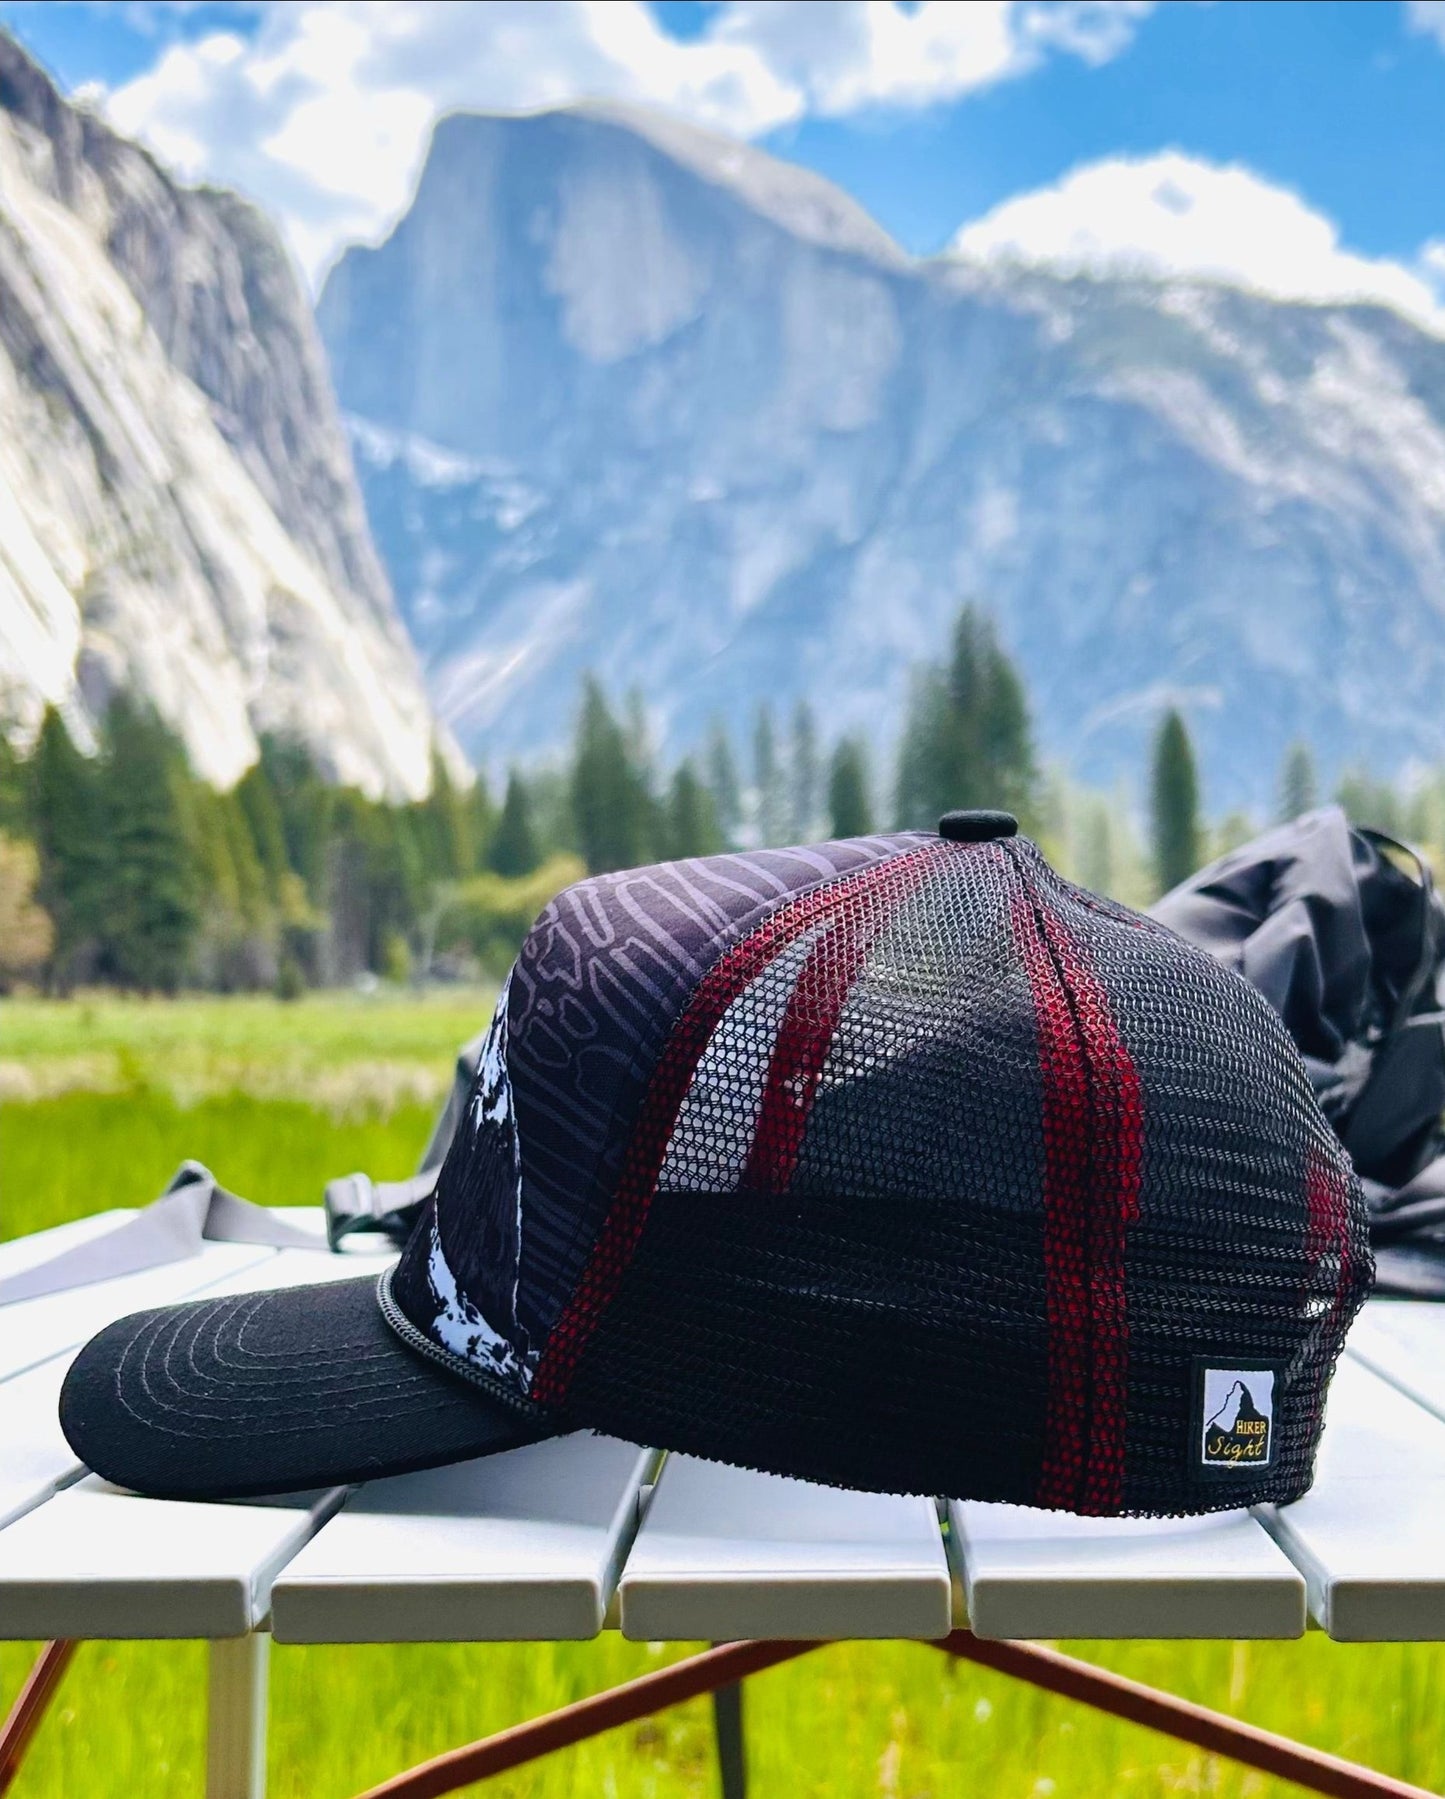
<point>1340,101</point>
<point>321,108</point>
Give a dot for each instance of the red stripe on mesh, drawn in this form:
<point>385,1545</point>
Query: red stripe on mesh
<point>724,982</point>
<point>804,1039</point>
<point>1093,1123</point>
<point>1116,1176</point>
<point>1327,1224</point>
<point>1066,1282</point>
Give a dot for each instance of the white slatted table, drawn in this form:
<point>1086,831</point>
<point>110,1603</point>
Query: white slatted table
<point>520,1546</point>
<point>562,1539</point>
<point>724,1553</point>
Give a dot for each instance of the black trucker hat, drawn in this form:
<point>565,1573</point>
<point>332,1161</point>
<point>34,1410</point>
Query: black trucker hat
<point>899,1163</point>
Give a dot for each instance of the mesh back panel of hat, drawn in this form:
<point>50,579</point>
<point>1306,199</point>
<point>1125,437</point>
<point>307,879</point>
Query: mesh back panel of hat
<point>947,1178</point>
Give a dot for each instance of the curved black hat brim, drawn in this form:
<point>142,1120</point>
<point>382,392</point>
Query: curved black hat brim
<point>271,1393</point>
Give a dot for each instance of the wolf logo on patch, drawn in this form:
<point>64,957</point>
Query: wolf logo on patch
<point>1238,1417</point>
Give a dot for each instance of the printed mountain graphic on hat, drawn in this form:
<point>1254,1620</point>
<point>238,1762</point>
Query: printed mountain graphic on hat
<point>1238,1431</point>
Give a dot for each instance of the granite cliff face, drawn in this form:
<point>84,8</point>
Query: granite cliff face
<point>178,512</point>
<point>624,396</point>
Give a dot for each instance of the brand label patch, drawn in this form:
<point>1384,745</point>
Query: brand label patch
<point>1236,1419</point>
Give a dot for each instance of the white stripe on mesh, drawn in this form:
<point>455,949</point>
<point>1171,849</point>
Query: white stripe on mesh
<point>713,1135</point>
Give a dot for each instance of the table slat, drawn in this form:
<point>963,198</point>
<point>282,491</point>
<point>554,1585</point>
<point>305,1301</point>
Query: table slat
<point>723,1553</point>
<point>1029,1573</point>
<point>19,1253</point>
<point>34,1330</point>
<point>1369,1536</point>
<point>96,1562</point>
<point>38,1461</point>
<point>1403,1340</point>
<point>524,1545</point>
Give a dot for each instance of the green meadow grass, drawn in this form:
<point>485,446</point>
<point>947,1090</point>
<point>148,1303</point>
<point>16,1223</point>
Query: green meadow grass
<point>891,1719</point>
<point>345,1052</point>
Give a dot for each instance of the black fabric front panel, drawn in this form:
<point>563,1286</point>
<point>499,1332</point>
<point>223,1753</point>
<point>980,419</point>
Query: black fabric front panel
<point>601,981</point>
<point>1218,1265</point>
<point>892,1348</point>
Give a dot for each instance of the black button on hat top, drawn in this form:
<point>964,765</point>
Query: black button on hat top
<point>978,826</point>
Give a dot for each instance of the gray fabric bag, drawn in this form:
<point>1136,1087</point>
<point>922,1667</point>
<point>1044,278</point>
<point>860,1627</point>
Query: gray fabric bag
<point>1341,929</point>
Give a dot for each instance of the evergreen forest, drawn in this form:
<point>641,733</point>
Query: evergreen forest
<point>123,869</point>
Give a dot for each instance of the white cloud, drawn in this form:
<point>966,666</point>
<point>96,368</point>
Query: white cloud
<point>324,116</point>
<point>1172,214</point>
<point>1427,17</point>
<point>846,57</point>
<point>1096,31</point>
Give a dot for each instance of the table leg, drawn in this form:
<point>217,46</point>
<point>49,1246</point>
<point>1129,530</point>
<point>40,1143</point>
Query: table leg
<point>236,1726</point>
<point>732,1749</point>
<point>23,1719</point>
<point>1213,1732</point>
<point>724,1665</point>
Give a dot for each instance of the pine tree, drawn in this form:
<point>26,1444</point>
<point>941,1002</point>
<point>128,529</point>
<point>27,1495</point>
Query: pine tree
<point>307,805</point>
<point>691,823</point>
<point>235,945</point>
<point>987,754</point>
<point>346,892</point>
<point>651,807</point>
<point>513,850</point>
<point>921,795</point>
<point>253,889</point>
<point>297,921</point>
<point>959,754</point>
<point>74,846</point>
<point>723,783</point>
<point>257,799</point>
<point>803,775</point>
<point>396,870</point>
<point>967,740</point>
<point>771,813</point>
<point>611,801</point>
<point>850,810</point>
<point>155,888</point>
<point>377,888</point>
<point>1299,790</point>
<point>206,827</point>
<point>220,928</point>
<point>1006,742</point>
<point>549,793</point>
<point>481,822</point>
<point>445,838</point>
<point>1174,804</point>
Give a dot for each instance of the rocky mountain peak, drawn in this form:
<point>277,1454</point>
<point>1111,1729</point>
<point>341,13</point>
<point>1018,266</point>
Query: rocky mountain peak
<point>620,401</point>
<point>178,511</point>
